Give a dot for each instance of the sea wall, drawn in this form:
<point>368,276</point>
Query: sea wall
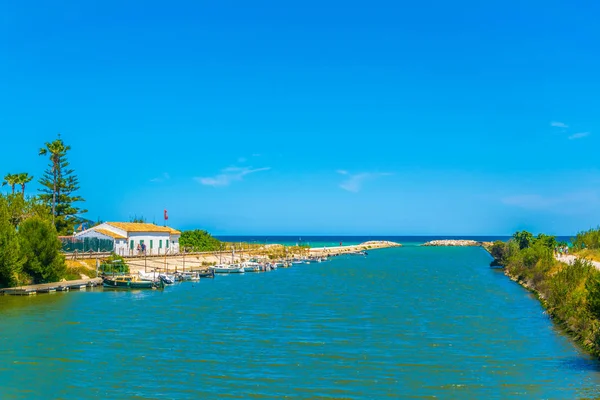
<point>335,250</point>
<point>453,242</point>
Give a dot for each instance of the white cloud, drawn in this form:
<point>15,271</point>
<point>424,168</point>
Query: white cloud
<point>355,181</point>
<point>229,175</point>
<point>557,124</point>
<point>163,177</point>
<point>579,135</point>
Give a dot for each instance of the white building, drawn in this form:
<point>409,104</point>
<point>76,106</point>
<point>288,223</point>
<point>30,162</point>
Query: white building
<point>131,238</point>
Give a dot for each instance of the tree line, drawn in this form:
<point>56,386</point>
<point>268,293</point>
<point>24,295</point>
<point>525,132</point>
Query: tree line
<point>30,226</point>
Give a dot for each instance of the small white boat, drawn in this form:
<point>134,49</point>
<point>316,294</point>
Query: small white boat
<point>154,276</point>
<point>250,266</point>
<point>188,276</point>
<point>228,269</point>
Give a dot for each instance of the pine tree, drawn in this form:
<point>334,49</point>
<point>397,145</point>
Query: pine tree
<point>59,185</point>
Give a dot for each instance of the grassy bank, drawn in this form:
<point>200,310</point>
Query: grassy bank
<point>570,293</point>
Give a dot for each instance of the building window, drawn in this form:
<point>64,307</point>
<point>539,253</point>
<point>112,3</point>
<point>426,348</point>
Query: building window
<point>150,243</point>
<point>167,243</point>
<point>160,244</point>
<point>131,244</point>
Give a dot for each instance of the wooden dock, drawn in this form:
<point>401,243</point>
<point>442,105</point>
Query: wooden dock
<point>80,284</point>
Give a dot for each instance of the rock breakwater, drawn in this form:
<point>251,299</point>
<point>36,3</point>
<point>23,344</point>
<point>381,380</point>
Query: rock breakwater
<point>453,242</point>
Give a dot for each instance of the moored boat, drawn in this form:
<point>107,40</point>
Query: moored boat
<point>130,282</point>
<point>228,269</point>
<point>251,266</point>
<point>154,276</point>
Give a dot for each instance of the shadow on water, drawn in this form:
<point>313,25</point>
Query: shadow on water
<point>582,363</point>
<point>8,304</point>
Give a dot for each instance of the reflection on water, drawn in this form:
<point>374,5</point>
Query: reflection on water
<point>406,322</point>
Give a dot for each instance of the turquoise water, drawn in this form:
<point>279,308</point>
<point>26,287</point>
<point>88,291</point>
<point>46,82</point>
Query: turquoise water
<point>401,323</point>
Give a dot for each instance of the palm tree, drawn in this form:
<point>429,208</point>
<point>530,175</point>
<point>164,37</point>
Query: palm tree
<point>23,179</point>
<point>10,179</point>
<point>56,149</point>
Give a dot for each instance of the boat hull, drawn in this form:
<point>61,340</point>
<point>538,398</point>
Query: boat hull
<point>130,284</point>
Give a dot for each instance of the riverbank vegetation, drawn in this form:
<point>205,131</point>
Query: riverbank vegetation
<point>587,244</point>
<point>199,240</point>
<point>30,249</point>
<point>569,292</point>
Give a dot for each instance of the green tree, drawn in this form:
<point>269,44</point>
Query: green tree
<point>41,249</point>
<point>23,179</point>
<point>498,250</point>
<point>524,239</point>
<point>59,184</point>
<point>11,262</point>
<point>11,180</point>
<point>199,240</point>
<point>546,241</point>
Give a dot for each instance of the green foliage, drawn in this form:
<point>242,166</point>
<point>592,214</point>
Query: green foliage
<point>571,293</point>
<point>498,250</point>
<point>547,241</point>
<point>10,180</point>
<point>23,179</point>
<point>199,240</point>
<point>587,240</point>
<point>59,184</point>
<point>114,263</point>
<point>11,261</point>
<point>523,238</point>
<point>41,249</point>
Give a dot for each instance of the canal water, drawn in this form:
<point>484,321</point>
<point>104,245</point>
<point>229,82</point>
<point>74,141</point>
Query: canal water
<point>407,322</point>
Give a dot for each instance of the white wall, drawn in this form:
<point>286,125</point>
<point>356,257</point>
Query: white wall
<point>122,246</point>
<point>146,237</point>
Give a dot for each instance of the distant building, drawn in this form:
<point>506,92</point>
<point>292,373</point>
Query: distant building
<point>130,239</point>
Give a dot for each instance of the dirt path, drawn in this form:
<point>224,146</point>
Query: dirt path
<point>570,259</point>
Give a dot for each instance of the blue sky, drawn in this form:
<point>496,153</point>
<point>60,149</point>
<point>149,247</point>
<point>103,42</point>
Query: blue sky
<point>313,117</point>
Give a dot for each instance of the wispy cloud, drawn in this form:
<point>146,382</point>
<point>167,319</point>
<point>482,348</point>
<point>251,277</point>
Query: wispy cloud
<point>557,124</point>
<point>579,135</point>
<point>563,203</point>
<point>163,177</point>
<point>354,182</point>
<point>229,175</point>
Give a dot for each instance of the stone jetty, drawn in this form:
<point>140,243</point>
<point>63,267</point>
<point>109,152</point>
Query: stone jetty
<point>453,242</point>
<point>337,250</point>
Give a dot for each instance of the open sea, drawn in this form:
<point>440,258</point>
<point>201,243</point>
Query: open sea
<point>410,322</point>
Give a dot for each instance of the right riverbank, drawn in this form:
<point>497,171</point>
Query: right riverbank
<point>569,291</point>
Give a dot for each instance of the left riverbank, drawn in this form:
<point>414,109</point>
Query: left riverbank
<point>63,286</point>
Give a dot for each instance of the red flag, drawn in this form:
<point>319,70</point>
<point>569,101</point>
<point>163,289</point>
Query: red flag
<point>166,215</point>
